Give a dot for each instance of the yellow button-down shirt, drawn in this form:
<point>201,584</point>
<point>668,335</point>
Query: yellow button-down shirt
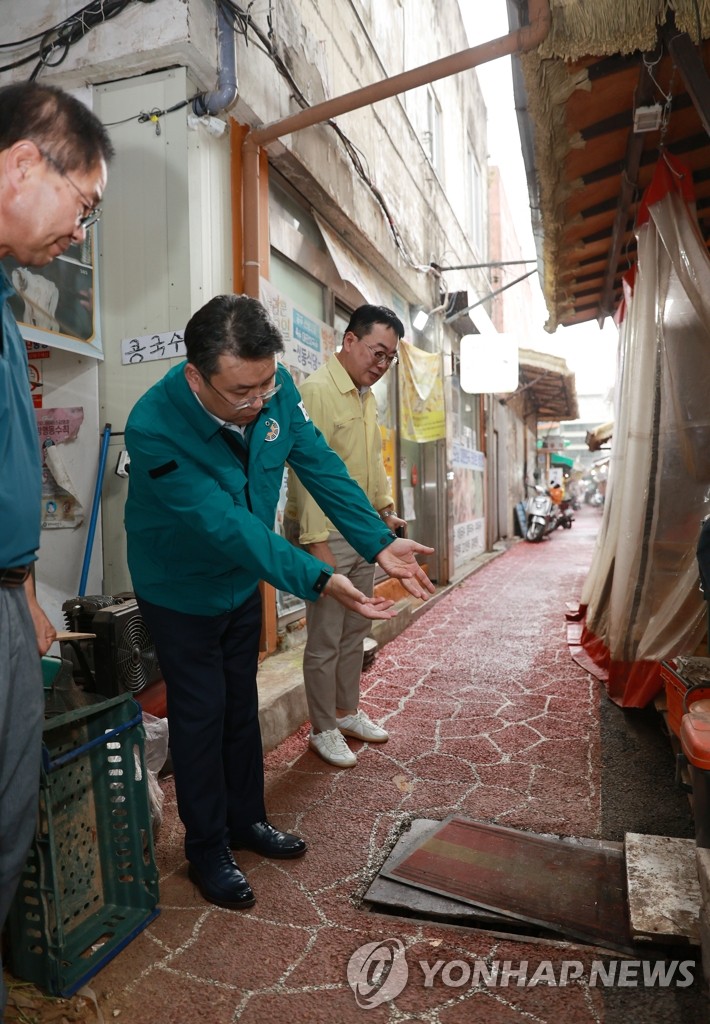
<point>348,421</point>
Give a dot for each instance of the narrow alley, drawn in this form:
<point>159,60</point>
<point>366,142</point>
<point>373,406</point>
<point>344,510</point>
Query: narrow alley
<point>489,718</point>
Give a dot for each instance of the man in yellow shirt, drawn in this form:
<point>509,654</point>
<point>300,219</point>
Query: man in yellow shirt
<point>338,399</point>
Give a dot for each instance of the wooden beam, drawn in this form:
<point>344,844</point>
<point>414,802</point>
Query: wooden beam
<point>629,181</point>
<point>692,70</point>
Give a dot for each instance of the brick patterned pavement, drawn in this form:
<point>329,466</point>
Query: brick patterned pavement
<point>488,717</point>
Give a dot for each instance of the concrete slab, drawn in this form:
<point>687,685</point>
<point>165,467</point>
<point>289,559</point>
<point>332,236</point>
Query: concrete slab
<point>663,888</point>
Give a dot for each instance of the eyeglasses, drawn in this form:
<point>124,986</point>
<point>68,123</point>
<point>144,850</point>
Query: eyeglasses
<point>380,358</point>
<point>93,212</point>
<point>247,403</point>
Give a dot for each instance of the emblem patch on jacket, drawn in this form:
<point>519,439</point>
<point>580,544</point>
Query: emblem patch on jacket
<point>273,430</point>
<point>303,409</point>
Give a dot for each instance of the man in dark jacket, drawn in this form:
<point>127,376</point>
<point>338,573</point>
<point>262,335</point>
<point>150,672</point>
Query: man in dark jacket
<point>208,444</point>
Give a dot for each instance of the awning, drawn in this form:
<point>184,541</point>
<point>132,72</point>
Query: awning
<point>561,460</point>
<point>598,437</point>
<point>592,121</point>
<point>550,385</point>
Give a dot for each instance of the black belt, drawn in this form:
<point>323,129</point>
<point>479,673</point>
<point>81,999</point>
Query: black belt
<point>14,577</point>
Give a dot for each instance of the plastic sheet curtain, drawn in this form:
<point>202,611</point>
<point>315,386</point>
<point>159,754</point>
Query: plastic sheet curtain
<point>642,598</point>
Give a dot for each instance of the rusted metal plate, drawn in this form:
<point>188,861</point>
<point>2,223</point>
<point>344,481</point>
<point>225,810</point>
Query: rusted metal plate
<point>398,896</point>
<point>575,889</point>
<point>663,888</point>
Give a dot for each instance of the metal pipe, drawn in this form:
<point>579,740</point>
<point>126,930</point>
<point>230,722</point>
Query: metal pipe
<point>211,103</point>
<point>250,216</point>
<point>491,295</point>
<point>482,266</point>
<point>103,453</point>
<point>521,40</point>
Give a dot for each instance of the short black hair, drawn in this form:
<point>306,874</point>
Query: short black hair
<point>235,325</point>
<point>57,123</point>
<point>365,317</point>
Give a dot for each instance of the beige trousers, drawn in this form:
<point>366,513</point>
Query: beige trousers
<point>332,661</point>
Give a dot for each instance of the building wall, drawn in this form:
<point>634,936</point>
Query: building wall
<point>143,38</point>
<point>166,237</point>
<point>428,204</point>
<point>510,309</point>
<point>165,250</point>
<point>148,244</point>
<point>330,48</point>
<point>513,429</point>
<point>333,49</point>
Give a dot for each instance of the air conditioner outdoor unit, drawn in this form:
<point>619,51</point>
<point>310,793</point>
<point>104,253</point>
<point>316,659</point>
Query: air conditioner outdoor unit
<point>122,657</point>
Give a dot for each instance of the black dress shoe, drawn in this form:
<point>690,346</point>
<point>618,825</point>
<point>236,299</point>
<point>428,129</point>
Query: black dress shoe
<point>263,838</point>
<point>221,882</point>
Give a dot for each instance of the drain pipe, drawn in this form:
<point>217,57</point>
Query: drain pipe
<point>526,38</point>
<point>207,104</point>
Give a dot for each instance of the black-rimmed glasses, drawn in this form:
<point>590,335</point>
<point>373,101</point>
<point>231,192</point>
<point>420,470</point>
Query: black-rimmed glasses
<point>93,212</point>
<point>380,358</point>
<point>247,403</point>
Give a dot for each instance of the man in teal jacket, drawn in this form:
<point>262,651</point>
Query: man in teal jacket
<point>208,444</point>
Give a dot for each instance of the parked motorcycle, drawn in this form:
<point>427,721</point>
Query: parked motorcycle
<point>539,509</point>
<point>544,516</point>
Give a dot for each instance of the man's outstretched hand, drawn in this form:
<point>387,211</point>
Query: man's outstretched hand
<point>398,560</point>
<point>340,588</point>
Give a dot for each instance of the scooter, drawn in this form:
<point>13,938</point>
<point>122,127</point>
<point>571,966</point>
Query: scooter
<point>541,518</point>
<point>565,516</point>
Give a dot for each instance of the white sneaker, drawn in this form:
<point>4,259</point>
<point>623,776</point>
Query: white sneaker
<point>360,727</point>
<point>331,746</point>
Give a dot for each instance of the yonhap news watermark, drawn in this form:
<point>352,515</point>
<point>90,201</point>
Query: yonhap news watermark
<point>379,971</point>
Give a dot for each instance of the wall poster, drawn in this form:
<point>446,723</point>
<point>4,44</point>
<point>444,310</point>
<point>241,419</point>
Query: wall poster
<point>58,304</point>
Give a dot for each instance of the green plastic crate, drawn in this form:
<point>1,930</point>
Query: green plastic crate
<point>50,670</point>
<point>90,884</point>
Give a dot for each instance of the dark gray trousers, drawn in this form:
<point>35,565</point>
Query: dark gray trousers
<point>21,714</point>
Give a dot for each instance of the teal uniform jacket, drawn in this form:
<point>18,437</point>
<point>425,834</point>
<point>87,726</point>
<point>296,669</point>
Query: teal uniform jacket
<point>21,490</point>
<point>193,544</point>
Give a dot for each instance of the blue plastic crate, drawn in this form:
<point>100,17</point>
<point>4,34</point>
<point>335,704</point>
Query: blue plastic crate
<point>90,884</point>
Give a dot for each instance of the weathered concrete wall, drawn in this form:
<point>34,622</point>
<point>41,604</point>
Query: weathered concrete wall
<point>145,37</point>
<point>429,210</point>
<point>510,309</point>
<point>330,47</point>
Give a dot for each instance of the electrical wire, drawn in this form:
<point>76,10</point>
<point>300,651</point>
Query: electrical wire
<point>649,65</point>
<point>55,42</point>
<point>153,115</point>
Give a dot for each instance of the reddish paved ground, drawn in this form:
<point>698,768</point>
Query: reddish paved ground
<point>488,717</point>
